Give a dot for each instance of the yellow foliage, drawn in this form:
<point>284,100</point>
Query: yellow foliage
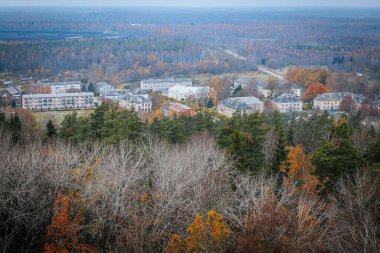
<point>204,236</point>
<point>300,169</point>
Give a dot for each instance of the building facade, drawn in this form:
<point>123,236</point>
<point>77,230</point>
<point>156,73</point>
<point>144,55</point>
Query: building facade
<point>164,84</point>
<point>63,87</point>
<point>11,95</point>
<point>61,101</point>
<point>137,103</point>
<point>181,92</point>
<point>331,101</point>
<point>288,103</point>
<point>247,105</point>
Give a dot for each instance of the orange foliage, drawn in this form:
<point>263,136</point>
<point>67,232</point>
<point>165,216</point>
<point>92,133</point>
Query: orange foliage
<point>62,233</point>
<point>275,227</point>
<point>299,169</point>
<point>314,90</point>
<point>215,88</point>
<point>204,236</point>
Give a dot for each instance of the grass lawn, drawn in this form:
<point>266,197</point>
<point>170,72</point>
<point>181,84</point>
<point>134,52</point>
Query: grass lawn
<point>57,116</point>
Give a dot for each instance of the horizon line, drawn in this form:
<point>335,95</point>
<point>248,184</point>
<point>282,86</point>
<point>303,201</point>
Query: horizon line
<point>200,6</point>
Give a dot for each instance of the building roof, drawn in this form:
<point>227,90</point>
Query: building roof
<point>63,83</point>
<point>242,80</point>
<point>133,98</point>
<point>358,98</point>
<point>241,103</point>
<point>78,94</point>
<point>110,93</point>
<point>13,90</point>
<point>287,98</point>
<point>170,79</point>
<point>186,89</point>
<point>178,107</point>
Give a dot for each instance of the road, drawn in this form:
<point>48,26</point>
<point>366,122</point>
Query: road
<point>270,72</point>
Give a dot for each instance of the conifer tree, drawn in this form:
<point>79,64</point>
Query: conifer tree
<point>51,130</point>
<point>336,157</point>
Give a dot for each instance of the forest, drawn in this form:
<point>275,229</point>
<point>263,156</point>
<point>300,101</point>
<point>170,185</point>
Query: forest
<point>108,182</point>
<point>171,41</point>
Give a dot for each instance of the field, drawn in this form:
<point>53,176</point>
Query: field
<point>56,116</point>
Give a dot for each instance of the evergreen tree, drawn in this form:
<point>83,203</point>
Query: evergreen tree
<point>51,130</point>
<point>98,121</point>
<point>312,132</point>
<point>91,88</point>
<point>239,88</point>
<point>373,151</point>
<point>15,128</point>
<point>280,154</point>
<point>3,120</point>
<point>70,128</point>
<point>84,88</point>
<point>336,157</point>
<point>243,137</point>
<point>210,104</point>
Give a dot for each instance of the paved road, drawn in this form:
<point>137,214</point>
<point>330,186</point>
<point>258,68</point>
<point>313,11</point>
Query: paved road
<point>270,72</point>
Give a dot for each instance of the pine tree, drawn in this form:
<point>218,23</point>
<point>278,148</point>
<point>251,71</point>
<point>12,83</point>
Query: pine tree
<point>15,128</point>
<point>336,157</point>
<point>210,104</point>
<point>84,88</point>
<point>91,88</point>
<point>51,130</point>
<point>373,151</point>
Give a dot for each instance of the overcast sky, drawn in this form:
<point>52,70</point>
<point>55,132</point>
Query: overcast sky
<point>363,3</point>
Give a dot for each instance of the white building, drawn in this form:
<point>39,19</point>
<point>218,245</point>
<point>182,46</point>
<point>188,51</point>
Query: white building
<point>59,101</point>
<point>104,87</point>
<point>267,92</point>
<point>181,92</point>
<point>64,87</point>
<point>288,103</point>
<point>138,103</point>
<point>247,105</point>
<point>331,101</point>
<point>164,84</point>
<point>110,95</point>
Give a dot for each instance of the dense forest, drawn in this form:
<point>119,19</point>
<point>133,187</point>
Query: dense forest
<point>251,183</point>
<point>186,41</point>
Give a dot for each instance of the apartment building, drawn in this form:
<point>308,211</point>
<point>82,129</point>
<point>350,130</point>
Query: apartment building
<point>45,102</point>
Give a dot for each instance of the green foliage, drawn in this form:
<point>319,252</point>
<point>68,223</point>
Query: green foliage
<point>313,131</point>
<point>243,138</point>
<point>238,89</point>
<point>279,151</point>
<point>84,89</point>
<point>180,129</point>
<point>51,130</point>
<point>373,151</point>
<point>91,88</point>
<point>336,157</point>
<point>210,104</point>
<point>15,128</point>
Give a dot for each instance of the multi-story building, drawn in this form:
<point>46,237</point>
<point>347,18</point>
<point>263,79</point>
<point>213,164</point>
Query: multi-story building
<point>137,103</point>
<point>268,92</point>
<point>11,95</point>
<point>288,103</point>
<point>247,105</point>
<point>64,87</point>
<point>104,87</point>
<point>164,84</point>
<point>43,102</point>
<point>181,92</point>
<point>331,101</point>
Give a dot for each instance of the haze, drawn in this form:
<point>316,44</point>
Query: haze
<point>194,3</point>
